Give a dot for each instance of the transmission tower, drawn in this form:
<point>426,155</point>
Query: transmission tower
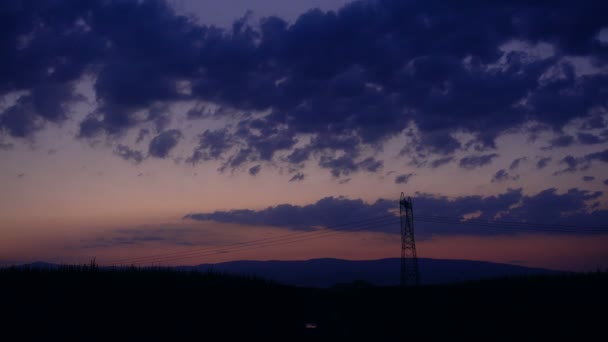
<point>409,261</point>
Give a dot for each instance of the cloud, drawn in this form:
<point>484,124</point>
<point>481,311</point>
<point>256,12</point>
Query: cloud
<point>327,211</point>
<point>606,181</point>
<point>441,161</point>
<point>502,175</point>
<point>143,133</point>
<point>598,156</point>
<point>162,144</point>
<point>346,164</point>
<point>212,145</point>
<point>588,178</point>
<point>582,163</point>
<point>363,73</point>
<point>578,208</point>
<point>543,162</point>
<point>298,177</point>
<point>561,141</point>
<point>128,154</point>
<point>403,179</point>
<point>255,170</point>
<point>589,139</point>
<point>516,163</point>
<point>473,162</point>
<point>571,163</point>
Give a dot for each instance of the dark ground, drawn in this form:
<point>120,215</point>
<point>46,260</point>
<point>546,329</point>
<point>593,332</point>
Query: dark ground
<point>85,303</point>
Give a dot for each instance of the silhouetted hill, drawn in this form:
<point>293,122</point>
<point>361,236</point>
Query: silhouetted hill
<point>327,272</point>
<point>383,272</point>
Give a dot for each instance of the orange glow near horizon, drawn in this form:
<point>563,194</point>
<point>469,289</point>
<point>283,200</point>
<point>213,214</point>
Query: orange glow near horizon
<point>214,243</point>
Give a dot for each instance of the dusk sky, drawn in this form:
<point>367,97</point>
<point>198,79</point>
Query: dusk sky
<point>149,128</point>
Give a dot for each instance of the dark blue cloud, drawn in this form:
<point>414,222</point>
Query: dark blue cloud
<point>162,144</point>
<point>599,156</point>
<point>298,177</point>
<point>516,163</point>
<point>473,162</point>
<point>143,133</point>
<point>212,145</point>
<point>582,163</point>
<point>346,164</point>
<point>362,73</point>
<point>299,155</point>
<point>576,207</point>
<point>126,153</point>
<point>255,170</point>
<point>589,139</point>
<point>403,179</point>
<point>543,162</point>
<point>327,211</point>
<point>562,141</point>
<point>571,165</point>
<point>441,161</point>
<point>588,178</point>
<point>502,175</point>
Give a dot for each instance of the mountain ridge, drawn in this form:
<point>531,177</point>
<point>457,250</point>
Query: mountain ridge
<point>326,272</point>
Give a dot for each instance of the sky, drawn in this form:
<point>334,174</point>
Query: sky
<point>168,132</point>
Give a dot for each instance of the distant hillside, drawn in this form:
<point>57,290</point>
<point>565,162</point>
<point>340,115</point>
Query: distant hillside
<point>383,272</point>
<point>328,272</point>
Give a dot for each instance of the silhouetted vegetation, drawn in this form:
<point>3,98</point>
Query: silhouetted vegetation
<point>92,303</point>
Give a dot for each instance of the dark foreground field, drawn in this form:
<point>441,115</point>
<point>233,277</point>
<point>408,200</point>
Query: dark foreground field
<point>86,304</point>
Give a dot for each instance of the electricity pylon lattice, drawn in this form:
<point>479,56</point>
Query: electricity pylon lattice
<point>409,260</point>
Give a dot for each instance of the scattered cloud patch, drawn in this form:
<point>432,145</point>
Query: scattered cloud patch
<point>162,144</point>
<point>403,179</point>
<point>143,133</point>
<point>473,162</point>
<point>575,208</point>
<point>589,139</point>
<point>571,165</point>
<point>561,141</point>
<point>128,154</point>
<point>298,177</point>
<point>255,170</point>
<point>582,163</point>
<point>314,77</point>
<point>503,175</point>
<point>515,164</point>
<point>441,161</point>
<point>543,162</point>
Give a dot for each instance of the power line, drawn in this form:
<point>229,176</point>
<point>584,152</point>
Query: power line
<point>247,242</point>
<point>312,236</point>
<point>351,226</point>
<point>337,227</point>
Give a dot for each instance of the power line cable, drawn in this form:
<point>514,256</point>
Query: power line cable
<point>270,244</point>
<point>268,239</point>
<point>335,229</point>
